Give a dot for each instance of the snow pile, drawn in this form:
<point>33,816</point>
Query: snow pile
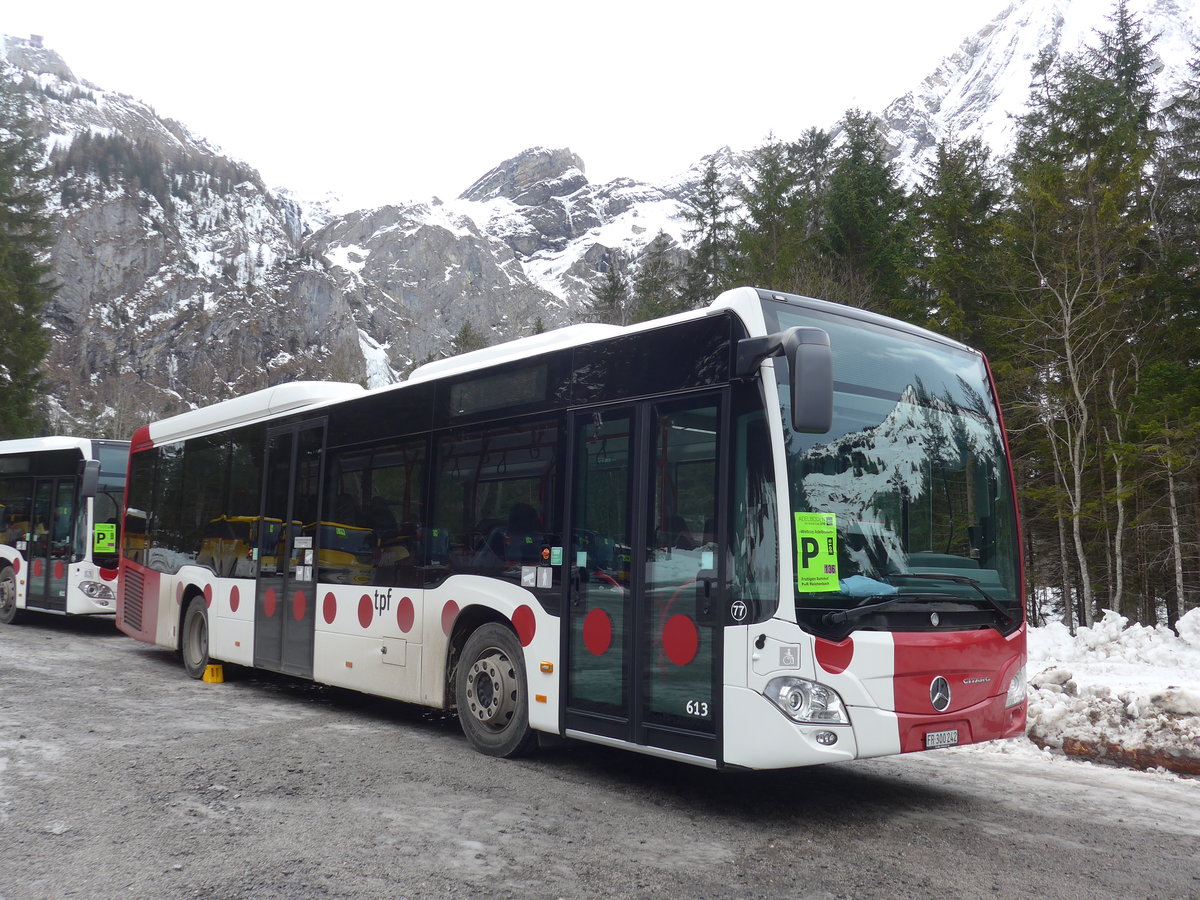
<point>1129,693</point>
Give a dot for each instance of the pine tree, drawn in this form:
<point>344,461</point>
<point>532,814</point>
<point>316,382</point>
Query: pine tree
<point>958,232</point>
<point>469,338</point>
<point>710,235</point>
<point>656,289</point>
<point>1175,205</point>
<point>864,225</point>
<point>767,240</point>
<point>24,284</point>
<point>611,300</point>
<point>811,160</point>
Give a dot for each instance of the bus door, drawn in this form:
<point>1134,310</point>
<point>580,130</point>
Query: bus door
<point>51,542</point>
<point>285,596</point>
<point>646,597</point>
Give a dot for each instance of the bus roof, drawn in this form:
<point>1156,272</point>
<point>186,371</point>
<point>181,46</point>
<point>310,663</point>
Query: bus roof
<point>558,339</point>
<point>52,442</point>
<point>743,300</point>
<point>267,402</point>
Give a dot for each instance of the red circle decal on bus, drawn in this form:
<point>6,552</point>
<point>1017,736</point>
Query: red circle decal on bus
<point>406,614</point>
<point>269,603</point>
<point>449,614</point>
<point>299,605</point>
<point>16,566</point>
<point>681,639</point>
<point>37,568</point>
<point>834,658</point>
<point>525,622</point>
<point>365,610</point>
<point>179,593</point>
<point>59,570</point>
<point>108,574</point>
<point>329,608</point>
<point>208,595</point>
<point>597,632</point>
<point>235,599</point>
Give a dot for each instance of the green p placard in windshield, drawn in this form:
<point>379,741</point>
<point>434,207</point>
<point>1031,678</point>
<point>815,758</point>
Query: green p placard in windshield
<point>104,538</point>
<point>816,552</point>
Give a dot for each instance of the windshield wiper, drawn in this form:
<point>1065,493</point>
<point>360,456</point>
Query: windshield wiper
<point>867,607</point>
<point>962,579</point>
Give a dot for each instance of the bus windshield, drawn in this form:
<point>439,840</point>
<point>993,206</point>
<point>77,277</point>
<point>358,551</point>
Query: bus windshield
<point>113,457</point>
<point>903,512</point>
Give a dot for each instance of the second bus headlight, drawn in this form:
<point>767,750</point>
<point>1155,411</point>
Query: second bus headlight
<point>94,590</point>
<point>807,701</point>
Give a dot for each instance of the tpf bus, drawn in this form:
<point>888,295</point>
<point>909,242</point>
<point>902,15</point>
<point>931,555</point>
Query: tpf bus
<point>773,532</point>
<point>60,502</point>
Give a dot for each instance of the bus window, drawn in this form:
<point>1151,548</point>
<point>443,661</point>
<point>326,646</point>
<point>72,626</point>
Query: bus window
<point>370,530</point>
<point>496,499</point>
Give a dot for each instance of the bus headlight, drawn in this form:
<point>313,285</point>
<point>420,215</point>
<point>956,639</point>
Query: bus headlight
<point>807,701</point>
<point>1016,688</point>
<point>95,590</point>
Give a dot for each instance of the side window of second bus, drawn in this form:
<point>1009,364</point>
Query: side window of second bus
<point>136,533</point>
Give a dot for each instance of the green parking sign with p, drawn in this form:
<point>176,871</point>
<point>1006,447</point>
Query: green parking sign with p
<point>104,538</point>
<point>816,552</point>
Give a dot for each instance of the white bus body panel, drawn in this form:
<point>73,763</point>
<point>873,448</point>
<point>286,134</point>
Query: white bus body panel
<point>359,641</point>
<point>758,735</point>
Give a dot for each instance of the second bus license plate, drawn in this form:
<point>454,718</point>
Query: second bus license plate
<point>935,739</point>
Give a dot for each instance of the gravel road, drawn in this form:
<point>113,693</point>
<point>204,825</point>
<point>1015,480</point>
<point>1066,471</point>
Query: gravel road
<point>121,777</point>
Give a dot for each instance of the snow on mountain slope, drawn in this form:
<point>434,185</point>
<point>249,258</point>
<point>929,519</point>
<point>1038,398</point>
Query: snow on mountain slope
<point>980,89</point>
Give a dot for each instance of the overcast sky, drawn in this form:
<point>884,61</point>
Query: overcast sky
<point>405,101</point>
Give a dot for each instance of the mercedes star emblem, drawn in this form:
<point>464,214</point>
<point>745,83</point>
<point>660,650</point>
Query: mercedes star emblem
<point>939,694</point>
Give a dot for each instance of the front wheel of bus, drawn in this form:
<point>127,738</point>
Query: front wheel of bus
<point>194,645</point>
<point>490,690</point>
<point>8,597</point>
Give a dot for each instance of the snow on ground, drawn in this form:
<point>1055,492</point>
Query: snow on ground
<point>1130,690</point>
<point>1132,686</point>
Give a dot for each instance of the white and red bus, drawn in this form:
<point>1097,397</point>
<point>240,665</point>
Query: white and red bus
<point>773,532</point>
<point>60,505</point>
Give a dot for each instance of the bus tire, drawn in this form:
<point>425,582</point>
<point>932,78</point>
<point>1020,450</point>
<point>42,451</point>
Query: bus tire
<point>193,644</point>
<point>491,694</point>
<point>9,614</point>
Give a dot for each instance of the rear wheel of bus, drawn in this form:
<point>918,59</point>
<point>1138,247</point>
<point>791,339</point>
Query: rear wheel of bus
<point>491,694</point>
<point>194,644</point>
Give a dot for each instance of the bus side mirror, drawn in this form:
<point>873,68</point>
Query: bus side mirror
<point>89,481</point>
<point>810,360</point>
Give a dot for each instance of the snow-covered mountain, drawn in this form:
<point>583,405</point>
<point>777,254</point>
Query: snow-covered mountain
<point>979,90</point>
<point>185,280</point>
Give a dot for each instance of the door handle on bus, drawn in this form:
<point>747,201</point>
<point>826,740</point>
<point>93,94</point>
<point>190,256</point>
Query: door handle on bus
<point>704,590</point>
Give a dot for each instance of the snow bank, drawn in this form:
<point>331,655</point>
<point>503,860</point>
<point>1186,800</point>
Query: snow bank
<point>1129,693</point>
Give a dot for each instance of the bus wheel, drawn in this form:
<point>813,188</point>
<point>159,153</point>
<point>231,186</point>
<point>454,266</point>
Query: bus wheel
<point>489,688</point>
<point>194,645</point>
<point>9,613</point>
